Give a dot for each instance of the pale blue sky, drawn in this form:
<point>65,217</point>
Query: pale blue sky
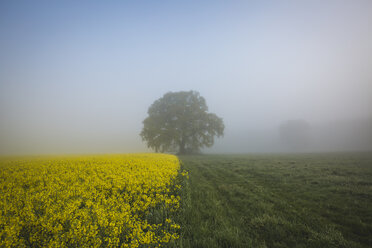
<point>79,77</point>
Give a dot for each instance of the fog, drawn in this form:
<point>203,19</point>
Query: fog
<point>78,77</point>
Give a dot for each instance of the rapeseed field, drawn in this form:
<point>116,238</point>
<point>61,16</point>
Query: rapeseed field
<point>90,201</point>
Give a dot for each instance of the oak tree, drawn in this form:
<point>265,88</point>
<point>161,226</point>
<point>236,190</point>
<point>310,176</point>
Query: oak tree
<point>180,122</point>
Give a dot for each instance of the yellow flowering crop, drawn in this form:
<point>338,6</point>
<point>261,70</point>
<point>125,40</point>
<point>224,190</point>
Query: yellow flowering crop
<point>89,201</point>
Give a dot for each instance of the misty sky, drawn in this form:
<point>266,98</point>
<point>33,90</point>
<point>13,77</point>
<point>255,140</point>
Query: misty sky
<point>79,76</point>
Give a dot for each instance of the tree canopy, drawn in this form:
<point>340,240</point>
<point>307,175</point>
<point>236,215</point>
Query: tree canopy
<point>180,122</point>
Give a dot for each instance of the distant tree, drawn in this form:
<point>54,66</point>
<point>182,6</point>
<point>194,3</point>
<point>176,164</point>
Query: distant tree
<point>179,122</point>
<point>295,134</point>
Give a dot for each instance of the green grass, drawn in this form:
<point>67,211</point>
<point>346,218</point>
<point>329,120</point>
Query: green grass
<point>312,200</point>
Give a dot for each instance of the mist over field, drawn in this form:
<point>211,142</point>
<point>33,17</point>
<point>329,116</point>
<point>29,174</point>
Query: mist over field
<point>285,76</point>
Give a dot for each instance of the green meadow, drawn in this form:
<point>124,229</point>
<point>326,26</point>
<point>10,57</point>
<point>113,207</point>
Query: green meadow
<point>307,200</point>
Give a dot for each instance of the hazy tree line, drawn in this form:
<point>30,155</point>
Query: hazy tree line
<point>299,136</point>
<point>342,135</point>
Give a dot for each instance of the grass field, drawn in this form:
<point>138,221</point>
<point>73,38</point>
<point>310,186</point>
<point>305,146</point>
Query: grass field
<point>312,200</point>
<point>309,200</point>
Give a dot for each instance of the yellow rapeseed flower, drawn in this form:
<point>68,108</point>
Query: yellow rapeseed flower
<point>89,201</point>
